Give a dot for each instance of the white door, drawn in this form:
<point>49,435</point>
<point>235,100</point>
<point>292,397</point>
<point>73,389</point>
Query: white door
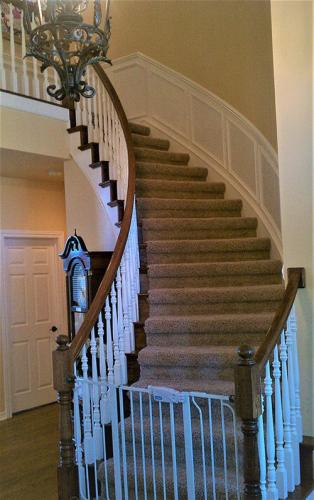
<point>33,308</point>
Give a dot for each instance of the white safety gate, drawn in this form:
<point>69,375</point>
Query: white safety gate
<point>154,443</point>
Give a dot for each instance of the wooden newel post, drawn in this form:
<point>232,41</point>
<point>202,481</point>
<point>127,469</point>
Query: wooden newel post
<point>248,408</point>
<point>63,381</point>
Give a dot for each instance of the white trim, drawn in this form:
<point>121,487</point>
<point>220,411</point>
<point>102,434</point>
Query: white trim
<point>58,237</point>
<point>34,106</point>
<point>178,87</point>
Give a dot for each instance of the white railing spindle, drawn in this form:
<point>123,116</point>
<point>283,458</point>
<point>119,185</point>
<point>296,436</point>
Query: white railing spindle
<point>262,453</point>
<point>286,415</point>
<point>272,492</point>
<point>293,327</point>
<point>2,69</point>
<point>281,473</point>
<point>104,400</point>
<point>293,426</point>
<point>12,50</point>
<point>87,421</point>
<point>97,432</point>
<point>115,336</point>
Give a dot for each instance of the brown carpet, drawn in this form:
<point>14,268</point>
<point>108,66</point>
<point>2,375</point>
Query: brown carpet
<point>210,285</point>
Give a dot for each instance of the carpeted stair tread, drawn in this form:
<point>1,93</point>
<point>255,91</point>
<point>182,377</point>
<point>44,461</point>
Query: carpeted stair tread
<point>144,429</point>
<point>150,170</point>
<point>181,189</point>
<point>188,356</point>
<point>156,223</point>
<point>147,154</point>
<point>177,204</point>
<point>234,244</point>
<point>143,141</point>
<point>223,294</point>
<point>210,323</point>
<point>137,128</point>
<point>220,227</point>
<point>219,387</point>
<point>215,269</point>
<point>136,490</point>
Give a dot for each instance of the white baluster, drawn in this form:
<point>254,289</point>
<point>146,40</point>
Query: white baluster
<point>78,435</point>
<point>97,432</point>
<point>12,50</point>
<point>89,112</point>
<point>115,336</point>
<point>25,71</point>
<point>286,415</point>
<point>109,343</point>
<point>104,399</point>
<point>105,122</point>
<point>262,453</point>
<point>100,120</point>
<point>272,492</point>
<point>281,473</point>
<point>123,361</point>
<point>126,322</point>
<point>293,326</point>
<point>129,292</point>
<point>2,70</point>
<point>87,422</point>
<point>36,88</point>
<point>85,113</point>
<point>293,425</point>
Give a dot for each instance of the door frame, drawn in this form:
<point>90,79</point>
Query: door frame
<point>58,237</point>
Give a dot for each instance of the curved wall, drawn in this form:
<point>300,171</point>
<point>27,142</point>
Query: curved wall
<point>225,46</point>
<point>214,134</point>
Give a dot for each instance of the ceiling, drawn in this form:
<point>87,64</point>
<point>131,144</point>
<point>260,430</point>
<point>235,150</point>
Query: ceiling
<point>30,166</point>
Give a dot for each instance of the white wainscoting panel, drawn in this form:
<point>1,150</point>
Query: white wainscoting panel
<point>207,128</point>
<point>213,132</point>
<point>241,156</point>
<point>169,104</point>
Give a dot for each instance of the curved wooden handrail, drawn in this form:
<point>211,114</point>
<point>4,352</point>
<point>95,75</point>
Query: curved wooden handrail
<point>105,285</point>
<point>296,279</point>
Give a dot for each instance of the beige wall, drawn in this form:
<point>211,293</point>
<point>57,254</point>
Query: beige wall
<point>33,133</point>
<point>30,204</point>
<point>223,45</point>
<point>33,205</point>
<point>293,62</point>
<point>84,211</point>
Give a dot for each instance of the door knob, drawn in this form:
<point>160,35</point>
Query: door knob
<point>53,329</point>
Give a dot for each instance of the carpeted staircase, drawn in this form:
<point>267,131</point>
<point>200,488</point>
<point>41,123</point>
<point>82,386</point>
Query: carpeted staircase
<point>210,285</point>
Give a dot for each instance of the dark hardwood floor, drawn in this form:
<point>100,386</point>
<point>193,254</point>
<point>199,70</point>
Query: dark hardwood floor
<point>28,455</point>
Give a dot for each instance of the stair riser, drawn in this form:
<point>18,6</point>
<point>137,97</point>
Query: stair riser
<point>136,128</point>
<point>205,281</point>
<point>180,214</point>
<point>140,141</point>
<point>180,450</point>
<point>161,157</point>
<point>139,488</point>
<point>182,491</point>
<point>186,195</point>
<point>184,174</point>
<point>187,372</point>
<point>191,234</point>
<point>143,283</point>
<point>209,308</point>
<point>143,309</point>
<point>168,258</point>
<point>199,339</point>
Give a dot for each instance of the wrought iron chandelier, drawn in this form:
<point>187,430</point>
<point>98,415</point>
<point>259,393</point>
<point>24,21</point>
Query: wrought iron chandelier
<point>59,38</point>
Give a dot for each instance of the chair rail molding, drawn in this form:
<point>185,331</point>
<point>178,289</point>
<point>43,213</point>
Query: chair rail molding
<point>211,130</point>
